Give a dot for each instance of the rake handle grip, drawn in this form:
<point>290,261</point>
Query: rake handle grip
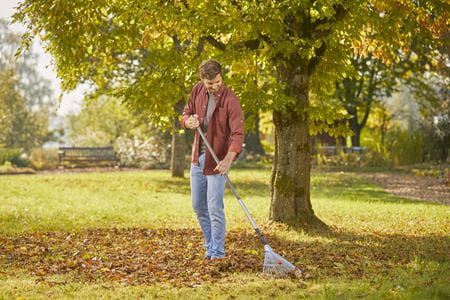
<point>233,189</point>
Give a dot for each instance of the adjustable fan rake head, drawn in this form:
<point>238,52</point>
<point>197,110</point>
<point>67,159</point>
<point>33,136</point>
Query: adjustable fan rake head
<point>275,264</point>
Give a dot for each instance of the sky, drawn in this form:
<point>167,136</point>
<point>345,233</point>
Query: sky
<point>71,102</point>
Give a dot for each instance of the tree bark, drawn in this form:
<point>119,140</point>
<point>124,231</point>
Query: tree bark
<point>177,161</point>
<point>290,180</point>
<point>354,126</point>
<point>356,138</point>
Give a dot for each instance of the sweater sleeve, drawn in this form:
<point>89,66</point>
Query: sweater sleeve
<point>236,123</point>
<point>189,108</point>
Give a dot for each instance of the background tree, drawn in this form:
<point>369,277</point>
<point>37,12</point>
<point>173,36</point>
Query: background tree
<point>26,100</point>
<point>104,122</point>
<point>375,80</point>
<point>253,144</point>
<point>300,46</point>
<point>20,127</point>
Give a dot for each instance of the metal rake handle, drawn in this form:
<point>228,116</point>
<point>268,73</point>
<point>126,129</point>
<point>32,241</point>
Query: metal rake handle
<point>233,189</point>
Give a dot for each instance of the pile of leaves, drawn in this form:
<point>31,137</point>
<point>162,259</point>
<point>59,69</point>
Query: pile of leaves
<point>130,256</point>
<point>176,256</point>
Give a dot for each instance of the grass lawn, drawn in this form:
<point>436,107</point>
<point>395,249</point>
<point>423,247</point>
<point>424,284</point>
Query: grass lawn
<point>92,235</point>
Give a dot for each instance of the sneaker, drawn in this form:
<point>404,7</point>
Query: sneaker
<point>216,258</point>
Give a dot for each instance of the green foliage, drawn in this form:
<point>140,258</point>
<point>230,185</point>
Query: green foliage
<point>400,147</point>
<point>21,127</point>
<point>13,156</point>
<point>44,159</point>
<point>427,170</point>
<point>148,51</point>
<point>362,93</point>
<point>367,159</point>
<point>402,134</point>
<point>7,167</point>
<point>100,123</point>
<point>268,147</point>
<point>436,130</point>
<point>405,147</point>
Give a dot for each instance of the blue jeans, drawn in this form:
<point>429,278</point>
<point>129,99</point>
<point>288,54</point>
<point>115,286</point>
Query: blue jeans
<point>207,201</point>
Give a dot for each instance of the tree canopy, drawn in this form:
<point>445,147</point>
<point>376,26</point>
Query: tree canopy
<point>148,51</point>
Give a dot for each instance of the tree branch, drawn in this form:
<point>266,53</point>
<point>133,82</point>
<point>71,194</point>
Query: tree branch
<point>218,44</point>
<point>201,45</point>
<point>250,44</point>
<point>361,81</point>
<point>316,59</point>
<point>369,98</point>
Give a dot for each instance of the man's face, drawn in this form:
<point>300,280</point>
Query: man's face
<point>213,85</point>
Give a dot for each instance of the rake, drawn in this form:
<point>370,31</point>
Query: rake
<point>274,264</point>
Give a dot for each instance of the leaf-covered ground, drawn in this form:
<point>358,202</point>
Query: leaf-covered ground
<point>413,187</point>
<point>123,235</point>
<point>144,256</point>
<point>130,256</point>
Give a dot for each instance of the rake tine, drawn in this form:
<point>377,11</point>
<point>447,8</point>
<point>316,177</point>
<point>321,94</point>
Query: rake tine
<point>276,264</point>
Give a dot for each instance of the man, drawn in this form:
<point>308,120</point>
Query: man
<point>216,109</point>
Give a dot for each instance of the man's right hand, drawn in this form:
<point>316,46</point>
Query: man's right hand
<point>192,122</point>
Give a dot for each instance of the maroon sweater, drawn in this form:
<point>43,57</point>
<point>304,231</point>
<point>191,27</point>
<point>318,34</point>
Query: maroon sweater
<point>225,128</point>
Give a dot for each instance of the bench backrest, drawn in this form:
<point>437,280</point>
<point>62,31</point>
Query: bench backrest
<point>86,153</point>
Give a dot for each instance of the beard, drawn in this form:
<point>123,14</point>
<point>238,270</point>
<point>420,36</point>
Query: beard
<point>213,90</point>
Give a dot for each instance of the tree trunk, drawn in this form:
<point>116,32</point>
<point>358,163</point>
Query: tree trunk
<point>177,161</point>
<point>252,138</point>
<point>356,139</point>
<point>356,128</point>
<point>443,155</point>
<point>290,180</point>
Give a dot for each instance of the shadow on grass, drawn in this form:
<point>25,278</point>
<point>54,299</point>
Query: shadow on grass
<point>354,256</point>
<point>346,188</point>
<point>247,187</point>
<point>366,193</point>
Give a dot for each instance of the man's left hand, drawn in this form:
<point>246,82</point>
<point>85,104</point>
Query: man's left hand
<point>224,165</point>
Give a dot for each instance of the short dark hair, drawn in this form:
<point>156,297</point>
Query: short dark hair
<point>209,69</point>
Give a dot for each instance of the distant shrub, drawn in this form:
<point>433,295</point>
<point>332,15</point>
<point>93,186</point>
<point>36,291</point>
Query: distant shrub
<point>405,147</point>
<point>366,159</point>
<point>375,159</point>
<point>149,153</point>
<point>13,156</point>
<point>6,167</point>
<point>340,159</point>
<point>9,168</point>
<point>269,148</point>
<point>44,159</point>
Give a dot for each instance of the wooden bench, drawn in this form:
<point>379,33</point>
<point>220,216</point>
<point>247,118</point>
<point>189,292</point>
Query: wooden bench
<point>87,155</point>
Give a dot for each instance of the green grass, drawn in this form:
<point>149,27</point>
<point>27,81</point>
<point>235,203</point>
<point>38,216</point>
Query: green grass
<point>380,246</point>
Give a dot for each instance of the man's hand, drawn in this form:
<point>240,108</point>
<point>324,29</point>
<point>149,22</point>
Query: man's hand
<point>224,165</point>
<point>192,122</point>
